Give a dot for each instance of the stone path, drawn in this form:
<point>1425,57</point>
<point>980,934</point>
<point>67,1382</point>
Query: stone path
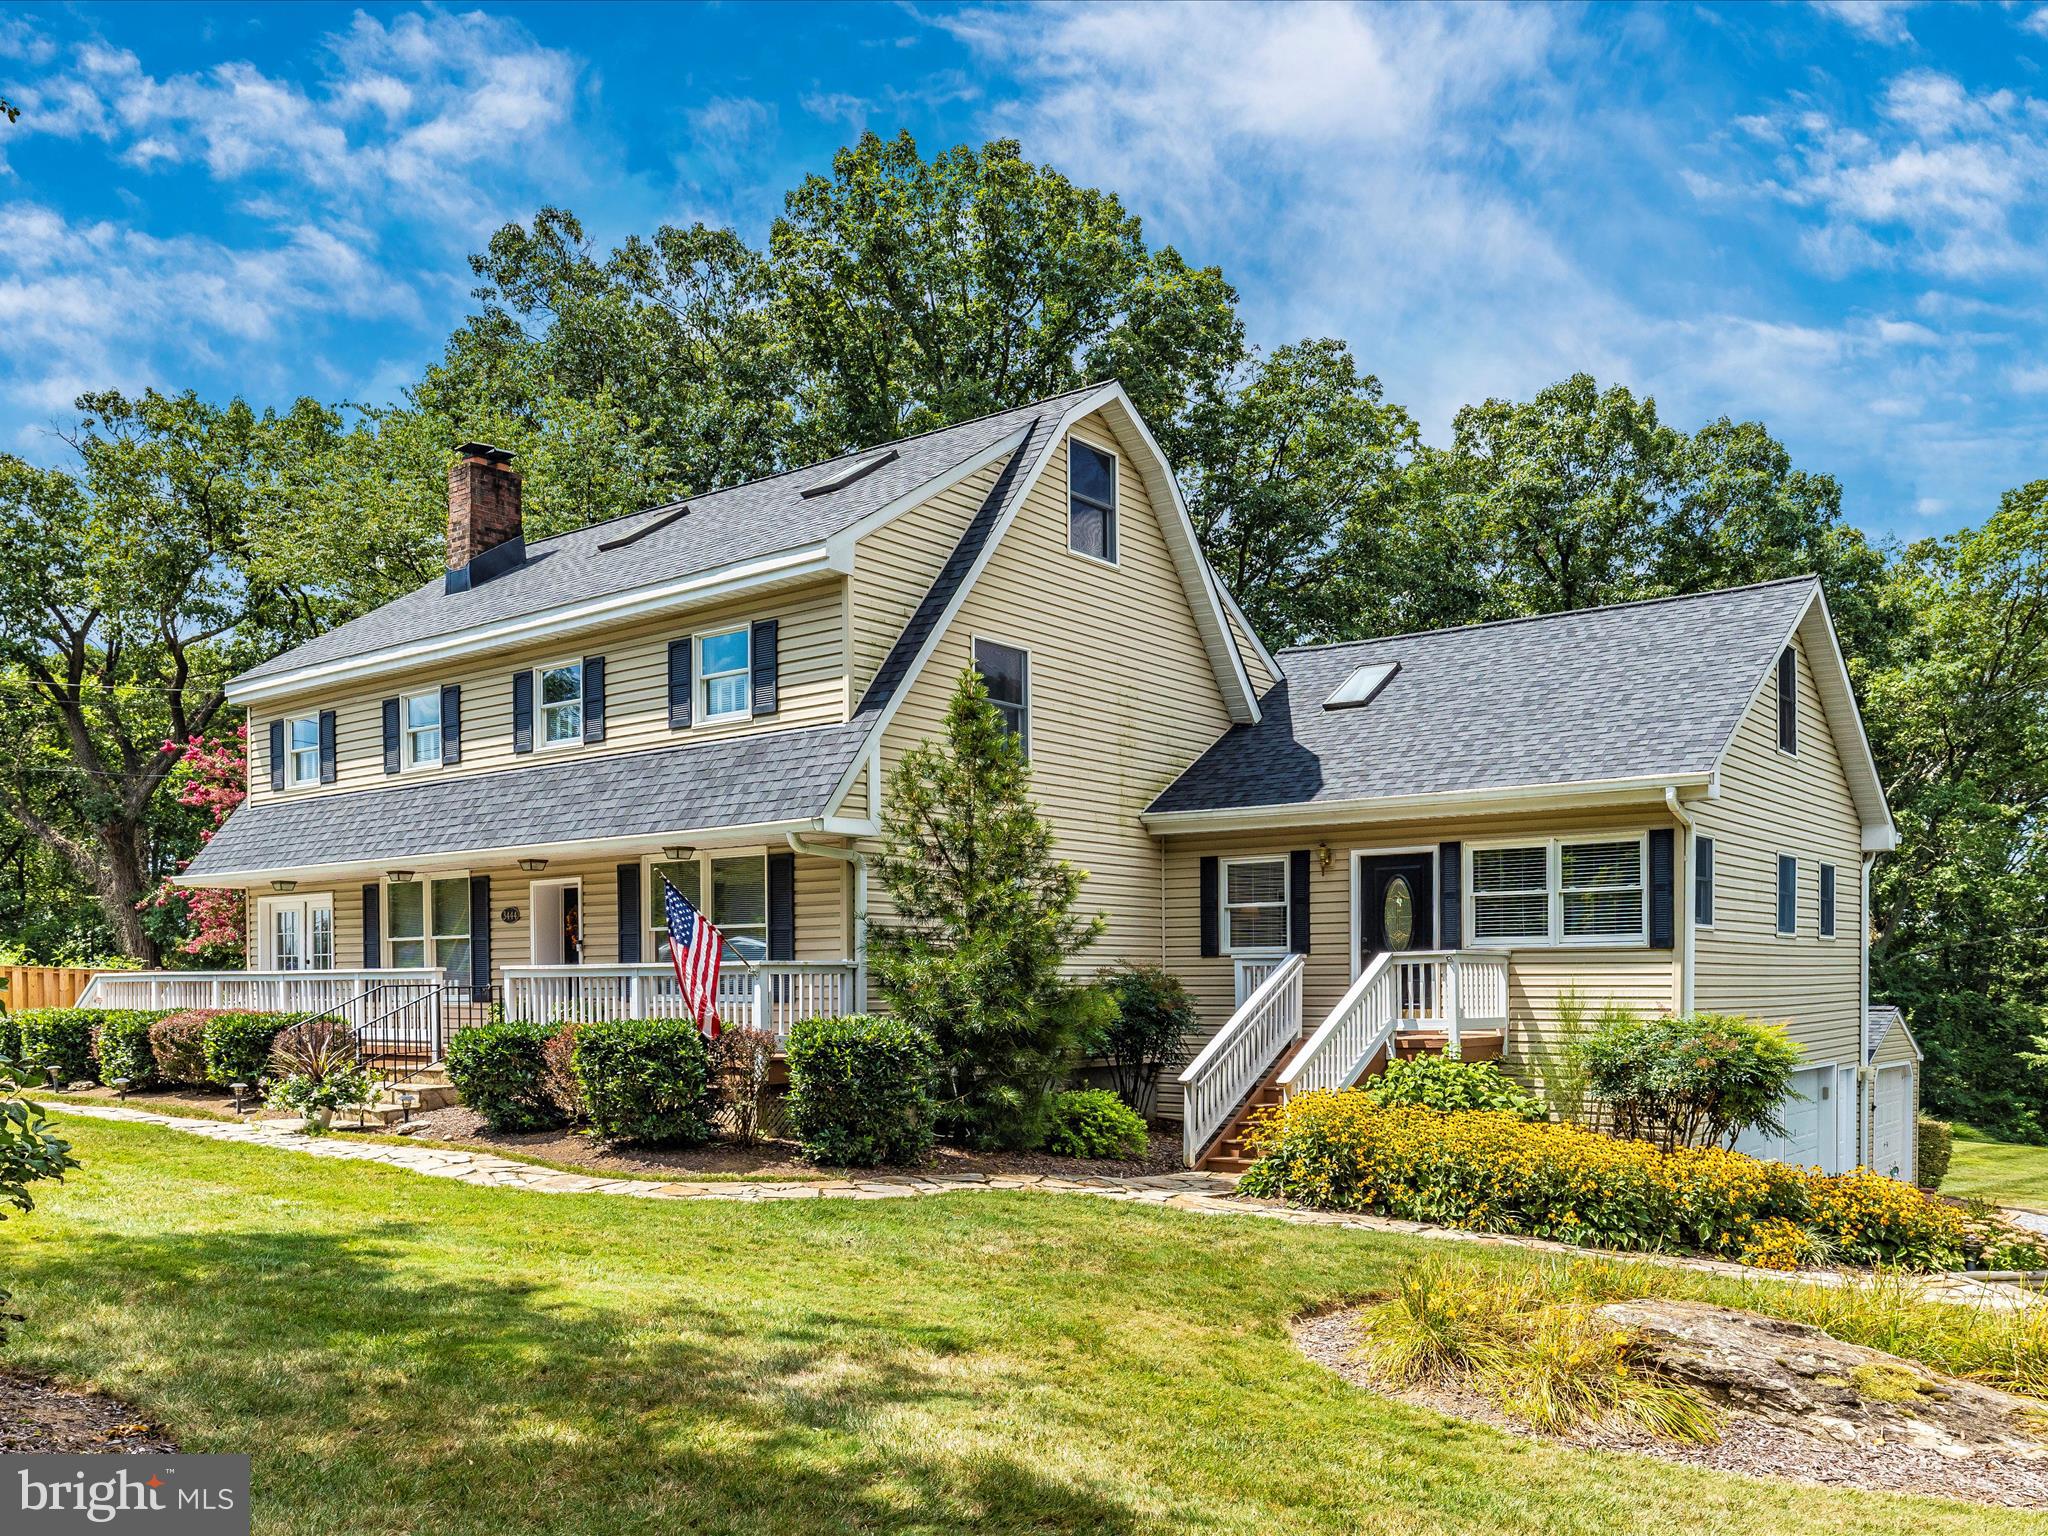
<point>1207,1193</point>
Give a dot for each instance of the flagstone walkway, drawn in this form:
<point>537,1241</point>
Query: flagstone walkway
<point>1207,1193</point>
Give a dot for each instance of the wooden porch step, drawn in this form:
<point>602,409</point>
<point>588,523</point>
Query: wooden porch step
<point>1473,1044</point>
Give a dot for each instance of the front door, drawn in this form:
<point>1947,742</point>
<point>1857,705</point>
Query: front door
<point>557,922</point>
<point>1397,903</point>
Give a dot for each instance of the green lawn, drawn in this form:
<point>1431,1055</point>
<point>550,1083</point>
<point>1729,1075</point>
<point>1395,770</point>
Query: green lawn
<point>2005,1171</point>
<point>404,1354</point>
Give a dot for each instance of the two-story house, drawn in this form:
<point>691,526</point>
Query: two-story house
<point>1345,851</point>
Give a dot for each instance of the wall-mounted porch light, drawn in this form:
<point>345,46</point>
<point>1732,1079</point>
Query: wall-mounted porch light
<point>680,854</point>
<point>1323,858</point>
<point>533,866</point>
<point>284,885</point>
<point>398,876</point>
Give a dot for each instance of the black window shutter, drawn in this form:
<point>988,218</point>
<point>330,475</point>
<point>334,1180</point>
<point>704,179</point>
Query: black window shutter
<point>1788,700</point>
<point>679,684</point>
<point>593,698</point>
<point>764,667</point>
<point>522,711</point>
<point>480,938</point>
<point>373,926</point>
<point>277,754</point>
<point>1297,901</point>
<point>1450,895</point>
<point>451,724</point>
<point>1663,926</point>
<point>391,757</point>
<point>1212,917</point>
<point>1827,900</point>
<point>326,746</point>
<point>1703,881</point>
<point>630,915</point>
<point>781,906</point>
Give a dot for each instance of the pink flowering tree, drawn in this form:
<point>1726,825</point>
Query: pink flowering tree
<point>212,778</point>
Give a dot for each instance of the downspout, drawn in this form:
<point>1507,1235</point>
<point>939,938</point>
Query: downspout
<point>859,861</point>
<point>1682,906</point>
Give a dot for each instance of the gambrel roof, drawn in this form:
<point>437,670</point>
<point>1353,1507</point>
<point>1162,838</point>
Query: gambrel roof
<point>1628,697</point>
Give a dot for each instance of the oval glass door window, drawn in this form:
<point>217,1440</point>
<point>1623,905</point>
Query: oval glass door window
<point>1397,914</point>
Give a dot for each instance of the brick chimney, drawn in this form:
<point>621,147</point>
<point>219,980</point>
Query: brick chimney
<point>486,535</point>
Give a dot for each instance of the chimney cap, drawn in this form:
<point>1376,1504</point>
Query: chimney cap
<point>485,452</point>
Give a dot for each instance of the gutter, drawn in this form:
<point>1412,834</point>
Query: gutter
<point>1534,797</point>
<point>1679,902</point>
<point>798,843</point>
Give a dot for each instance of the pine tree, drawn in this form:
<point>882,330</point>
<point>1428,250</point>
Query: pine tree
<point>984,926</point>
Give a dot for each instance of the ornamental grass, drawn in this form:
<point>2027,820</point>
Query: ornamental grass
<point>1495,1172</point>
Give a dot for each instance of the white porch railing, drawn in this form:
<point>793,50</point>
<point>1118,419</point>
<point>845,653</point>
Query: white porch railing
<point>1451,989</point>
<point>1436,989</point>
<point>1241,1053</point>
<point>1250,972</point>
<point>258,991</point>
<point>772,995</point>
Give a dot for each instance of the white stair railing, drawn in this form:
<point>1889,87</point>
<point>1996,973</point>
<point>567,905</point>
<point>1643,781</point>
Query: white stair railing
<point>1358,1028</point>
<point>1241,1053</point>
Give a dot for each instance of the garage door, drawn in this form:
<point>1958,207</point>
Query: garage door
<point>1891,1123</point>
<point>1809,1139</point>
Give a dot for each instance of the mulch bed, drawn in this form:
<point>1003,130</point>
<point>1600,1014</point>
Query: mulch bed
<point>769,1160</point>
<point>1747,1446</point>
<point>39,1416</point>
<point>164,1101</point>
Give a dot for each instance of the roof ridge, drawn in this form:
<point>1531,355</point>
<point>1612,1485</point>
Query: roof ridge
<point>1563,613</point>
<point>799,469</point>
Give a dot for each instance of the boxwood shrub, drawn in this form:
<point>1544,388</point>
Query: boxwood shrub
<point>237,1045</point>
<point>498,1068</point>
<point>1934,1150</point>
<point>860,1090</point>
<point>60,1038</point>
<point>1093,1123</point>
<point>121,1046</point>
<point>644,1079</point>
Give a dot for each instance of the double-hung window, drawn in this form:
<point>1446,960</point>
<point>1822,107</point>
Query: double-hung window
<point>1560,891</point>
<point>302,750</point>
<point>1788,893</point>
<point>1006,673</point>
<point>1511,893</point>
<point>1091,501</point>
<point>724,667</point>
<point>1600,890</point>
<point>426,923</point>
<point>737,903</point>
<point>423,729</point>
<point>1254,906</point>
<point>561,704</point>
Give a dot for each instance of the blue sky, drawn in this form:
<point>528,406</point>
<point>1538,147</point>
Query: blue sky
<point>1829,217</point>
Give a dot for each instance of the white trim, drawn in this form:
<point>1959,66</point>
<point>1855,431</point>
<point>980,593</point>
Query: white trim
<point>564,882</point>
<point>1554,844</point>
<point>1286,904</point>
<point>406,762</point>
<point>1308,813</point>
<point>786,567</point>
<point>1236,611</point>
<point>264,951</point>
<point>540,706</point>
<point>1359,855</point>
<point>973,643</point>
<point>700,703</point>
<point>1112,531</point>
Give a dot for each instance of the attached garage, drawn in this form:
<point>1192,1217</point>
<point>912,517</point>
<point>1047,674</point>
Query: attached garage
<point>1891,1121</point>
<point>1811,1114</point>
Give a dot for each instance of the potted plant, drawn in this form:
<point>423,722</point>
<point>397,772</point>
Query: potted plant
<point>315,1070</point>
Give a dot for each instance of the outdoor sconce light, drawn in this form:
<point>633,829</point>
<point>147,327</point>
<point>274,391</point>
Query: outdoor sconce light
<point>679,855</point>
<point>284,885</point>
<point>120,1086</point>
<point>398,876</point>
<point>533,866</point>
<point>1323,857</point>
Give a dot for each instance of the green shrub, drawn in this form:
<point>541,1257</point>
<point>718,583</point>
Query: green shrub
<point>1093,1123</point>
<point>60,1038</point>
<point>1154,1017</point>
<point>10,1040</point>
<point>177,1042</point>
<point>237,1045</point>
<point>1700,1080</point>
<point>121,1044</point>
<point>1446,1083</point>
<point>860,1090</point>
<point>644,1080</point>
<point>1935,1148</point>
<point>500,1071</point>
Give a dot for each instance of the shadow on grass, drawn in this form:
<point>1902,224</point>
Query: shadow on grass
<point>382,1386</point>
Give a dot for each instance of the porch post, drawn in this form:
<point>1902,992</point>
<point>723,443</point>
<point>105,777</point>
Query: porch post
<point>1454,1005</point>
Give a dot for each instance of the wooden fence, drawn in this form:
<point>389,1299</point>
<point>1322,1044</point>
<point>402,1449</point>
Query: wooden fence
<point>42,986</point>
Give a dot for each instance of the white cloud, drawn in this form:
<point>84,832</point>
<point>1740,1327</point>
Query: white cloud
<point>2036,21</point>
<point>1882,21</point>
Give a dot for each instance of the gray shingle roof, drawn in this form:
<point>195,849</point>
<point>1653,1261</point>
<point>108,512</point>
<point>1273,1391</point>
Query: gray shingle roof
<point>1634,690</point>
<point>742,781</point>
<point>762,517</point>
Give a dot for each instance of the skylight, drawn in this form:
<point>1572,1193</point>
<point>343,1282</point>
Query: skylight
<point>1363,685</point>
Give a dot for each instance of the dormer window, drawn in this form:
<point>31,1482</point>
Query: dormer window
<point>1363,685</point>
<point>1091,501</point>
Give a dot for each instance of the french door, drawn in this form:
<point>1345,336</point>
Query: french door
<point>295,933</point>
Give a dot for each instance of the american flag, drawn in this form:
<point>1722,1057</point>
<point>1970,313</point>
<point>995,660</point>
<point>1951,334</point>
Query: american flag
<point>694,949</point>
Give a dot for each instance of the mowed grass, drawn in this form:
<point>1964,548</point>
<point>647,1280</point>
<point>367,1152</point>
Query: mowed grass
<point>2005,1171</point>
<point>405,1354</point>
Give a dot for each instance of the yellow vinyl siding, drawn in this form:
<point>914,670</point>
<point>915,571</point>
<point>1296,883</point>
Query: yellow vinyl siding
<point>1538,977</point>
<point>1772,803</point>
<point>1895,1050</point>
<point>1256,669</point>
<point>811,690</point>
<point>1122,697</point>
<point>895,566</point>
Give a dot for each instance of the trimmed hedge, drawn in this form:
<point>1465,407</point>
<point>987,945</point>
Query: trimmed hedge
<point>237,1045</point>
<point>1494,1172</point>
<point>1934,1149</point>
<point>60,1038</point>
<point>10,1040</point>
<point>498,1068</point>
<point>860,1090</point>
<point>1094,1122</point>
<point>177,1043</point>
<point>121,1046</point>
<point>644,1080</point>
